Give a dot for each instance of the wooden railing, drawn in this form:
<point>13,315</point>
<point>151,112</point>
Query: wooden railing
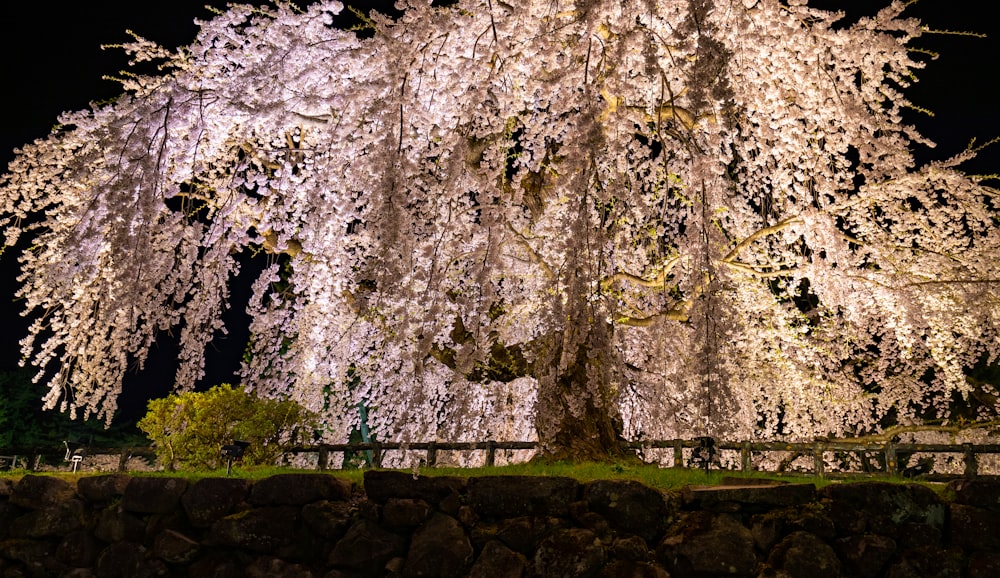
<point>887,454</point>
<point>817,450</point>
<point>29,457</point>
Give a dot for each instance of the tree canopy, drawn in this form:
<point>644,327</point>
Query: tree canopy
<point>586,219</point>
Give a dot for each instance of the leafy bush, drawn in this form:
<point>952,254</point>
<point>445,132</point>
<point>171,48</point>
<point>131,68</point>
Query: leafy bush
<point>189,429</point>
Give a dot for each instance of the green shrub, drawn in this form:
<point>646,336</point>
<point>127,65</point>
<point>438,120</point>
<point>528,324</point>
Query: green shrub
<point>189,429</point>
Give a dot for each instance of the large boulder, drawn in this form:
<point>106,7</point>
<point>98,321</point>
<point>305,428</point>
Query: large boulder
<point>498,561</point>
<point>8,513</point>
<point>102,489</point>
<point>630,507</point>
<point>928,562</point>
<point>366,548</point>
<point>977,492</point>
<point>38,557</point>
<point>176,548</point>
<point>114,524</point>
<point>711,543</point>
<point>438,548</point>
<point>260,530</point>
<point>973,528</point>
<point>569,553</point>
<point>803,554</point>
<point>865,555</point>
<point>381,486</point>
<point>513,496</point>
<point>910,514</point>
<point>6,487</point>
<point>121,560</point>
<point>34,492</point>
<point>405,513</point>
<point>524,534</point>
<point>153,495</point>
<point>984,565</point>
<point>328,520</point>
<point>211,499</point>
<point>298,489</point>
<point>56,520</point>
<point>78,549</point>
<point>769,528</point>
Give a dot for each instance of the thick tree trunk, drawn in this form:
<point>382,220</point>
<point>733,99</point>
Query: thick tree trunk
<point>576,415</point>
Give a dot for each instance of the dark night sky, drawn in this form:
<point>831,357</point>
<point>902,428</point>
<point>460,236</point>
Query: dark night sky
<point>54,63</point>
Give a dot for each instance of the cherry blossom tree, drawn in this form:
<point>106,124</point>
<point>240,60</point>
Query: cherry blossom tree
<point>590,220</point>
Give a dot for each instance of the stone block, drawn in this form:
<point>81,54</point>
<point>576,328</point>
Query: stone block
<point>513,496</point>
<point>102,489</point>
<point>865,555</point>
<point>978,493</point>
<point>710,543</point>
<point>498,561</point>
<point>803,554</point>
<point>631,507</point>
<point>382,485</point>
<point>569,553</point>
<point>365,549</point>
<point>973,528</point>
<point>56,520</point>
<point>439,548</point>
<point>911,514</point>
<point>329,520</point>
<point>211,499</point>
<point>78,549</point>
<point>35,492</point>
<point>298,489</point>
<point>749,498</point>
<point>264,530</point>
<point>174,547</point>
<point>405,513</point>
<point>153,495</point>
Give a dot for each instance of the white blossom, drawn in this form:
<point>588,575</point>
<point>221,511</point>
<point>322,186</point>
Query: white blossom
<point>692,215</point>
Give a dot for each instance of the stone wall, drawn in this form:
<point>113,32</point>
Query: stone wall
<point>317,525</point>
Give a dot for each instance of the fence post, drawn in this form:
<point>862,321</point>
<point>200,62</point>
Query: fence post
<point>323,457</point>
<point>818,460</point>
<point>971,467</point>
<point>678,454</point>
<point>891,463</point>
<point>432,454</point>
<point>376,455</point>
<point>491,453</point>
<point>746,458</point>
<point>123,459</point>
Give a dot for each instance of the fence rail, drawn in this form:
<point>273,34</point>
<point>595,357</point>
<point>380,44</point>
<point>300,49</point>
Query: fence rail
<point>889,452</point>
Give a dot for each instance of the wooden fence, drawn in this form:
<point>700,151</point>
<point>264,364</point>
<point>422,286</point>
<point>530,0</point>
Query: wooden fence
<point>887,455</point>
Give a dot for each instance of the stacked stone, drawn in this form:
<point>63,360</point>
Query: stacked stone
<point>317,525</point>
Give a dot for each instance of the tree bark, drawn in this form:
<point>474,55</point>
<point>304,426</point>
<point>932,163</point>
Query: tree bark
<point>575,415</point>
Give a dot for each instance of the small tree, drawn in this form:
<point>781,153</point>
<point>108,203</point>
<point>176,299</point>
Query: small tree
<point>188,429</point>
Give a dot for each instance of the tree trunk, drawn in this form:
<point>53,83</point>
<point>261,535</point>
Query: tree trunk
<point>576,416</point>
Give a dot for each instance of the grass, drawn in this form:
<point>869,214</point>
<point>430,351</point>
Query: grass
<point>650,475</point>
<point>663,478</point>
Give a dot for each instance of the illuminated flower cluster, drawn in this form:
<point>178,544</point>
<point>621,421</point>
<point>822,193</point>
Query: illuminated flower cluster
<point>488,218</point>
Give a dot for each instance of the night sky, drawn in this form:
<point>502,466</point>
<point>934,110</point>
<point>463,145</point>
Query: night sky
<point>52,62</point>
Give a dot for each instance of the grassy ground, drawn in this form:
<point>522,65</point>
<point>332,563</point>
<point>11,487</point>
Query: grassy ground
<point>664,478</point>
